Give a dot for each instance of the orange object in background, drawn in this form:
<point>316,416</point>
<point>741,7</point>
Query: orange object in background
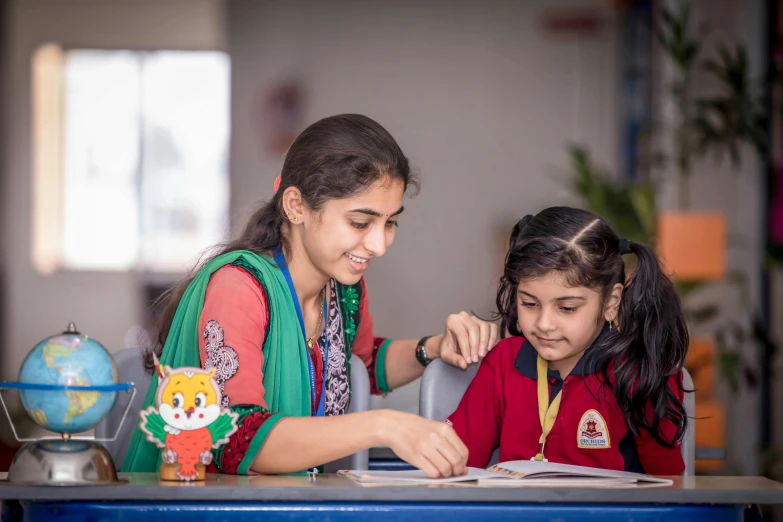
<point>700,363</point>
<point>710,415</point>
<point>710,432</point>
<point>692,246</point>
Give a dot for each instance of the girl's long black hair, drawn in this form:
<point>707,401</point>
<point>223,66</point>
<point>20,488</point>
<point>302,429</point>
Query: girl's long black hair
<point>650,342</point>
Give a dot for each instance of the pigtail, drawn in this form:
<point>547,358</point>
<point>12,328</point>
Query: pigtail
<point>648,348</point>
<point>521,224</point>
<point>506,301</point>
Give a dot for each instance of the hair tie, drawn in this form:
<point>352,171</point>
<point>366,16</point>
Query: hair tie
<point>276,186</point>
<point>625,247</point>
<point>524,221</point>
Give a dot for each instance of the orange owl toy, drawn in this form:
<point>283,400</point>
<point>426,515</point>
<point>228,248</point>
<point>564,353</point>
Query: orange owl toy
<point>188,421</point>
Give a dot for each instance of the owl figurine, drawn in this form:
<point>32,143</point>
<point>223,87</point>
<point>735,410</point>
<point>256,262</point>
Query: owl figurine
<point>188,421</point>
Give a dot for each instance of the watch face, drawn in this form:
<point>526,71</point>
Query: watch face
<point>421,355</point>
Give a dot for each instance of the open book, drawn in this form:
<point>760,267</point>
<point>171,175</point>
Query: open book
<point>513,474</point>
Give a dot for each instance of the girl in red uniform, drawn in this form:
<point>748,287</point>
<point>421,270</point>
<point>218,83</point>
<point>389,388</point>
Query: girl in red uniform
<point>592,372</point>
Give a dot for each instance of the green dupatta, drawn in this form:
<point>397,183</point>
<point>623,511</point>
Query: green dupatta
<point>286,375</point>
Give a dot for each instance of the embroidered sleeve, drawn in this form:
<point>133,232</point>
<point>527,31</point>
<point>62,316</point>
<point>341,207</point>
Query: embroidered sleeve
<point>656,459</point>
<point>232,325</point>
<point>371,350</point>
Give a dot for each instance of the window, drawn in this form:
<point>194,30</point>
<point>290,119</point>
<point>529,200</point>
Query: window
<point>130,158</point>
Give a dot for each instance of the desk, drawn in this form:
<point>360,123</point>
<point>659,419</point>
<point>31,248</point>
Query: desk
<point>337,499</point>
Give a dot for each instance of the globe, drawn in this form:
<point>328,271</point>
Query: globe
<point>69,359</point>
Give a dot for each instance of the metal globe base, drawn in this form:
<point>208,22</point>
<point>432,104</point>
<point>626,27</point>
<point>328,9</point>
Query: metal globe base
<point>63,462</point>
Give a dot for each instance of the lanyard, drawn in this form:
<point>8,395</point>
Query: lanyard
<point>281,262</point>
<point>547,412</point>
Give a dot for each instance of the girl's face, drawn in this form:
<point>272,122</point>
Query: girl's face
<point>561,321</point>
<point>346,234</point>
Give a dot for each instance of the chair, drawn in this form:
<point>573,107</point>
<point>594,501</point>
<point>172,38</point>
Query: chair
<point>443,385</point>
<point>130,368</point>
<point>688,444</point>
<point>360,401</point>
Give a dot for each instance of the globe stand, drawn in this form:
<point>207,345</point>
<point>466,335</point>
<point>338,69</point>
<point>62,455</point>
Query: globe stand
<point>64,460</point>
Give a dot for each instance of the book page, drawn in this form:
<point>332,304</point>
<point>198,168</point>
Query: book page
<point>527,469</point>
<point>414,476</point>
<point>569,482</point>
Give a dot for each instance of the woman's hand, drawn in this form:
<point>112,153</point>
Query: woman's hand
<point>467,339</point>
<point>431,446</point>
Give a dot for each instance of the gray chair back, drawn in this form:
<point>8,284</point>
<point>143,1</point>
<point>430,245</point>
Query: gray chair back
<point>130,368</point>
<point>360,401</point>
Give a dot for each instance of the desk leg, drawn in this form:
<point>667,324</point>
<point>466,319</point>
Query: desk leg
<point>10,511</point>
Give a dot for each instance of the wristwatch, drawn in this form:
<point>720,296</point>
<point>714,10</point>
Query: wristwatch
<point>421,352</point>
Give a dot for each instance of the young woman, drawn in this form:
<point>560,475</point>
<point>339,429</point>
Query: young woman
<point>280,310</point>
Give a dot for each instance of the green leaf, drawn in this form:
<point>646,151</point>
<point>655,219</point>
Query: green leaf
<point>730,364</point>
<point>735,116</point>
<point>701,314</point>
<point>740,279</point>
<point>686,288</point>
<point>629,207</point>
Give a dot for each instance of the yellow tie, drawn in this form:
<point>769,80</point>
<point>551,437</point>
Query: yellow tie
<point>547,412</point>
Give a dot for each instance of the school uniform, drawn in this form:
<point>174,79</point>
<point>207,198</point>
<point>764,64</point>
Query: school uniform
<point>500,409</point>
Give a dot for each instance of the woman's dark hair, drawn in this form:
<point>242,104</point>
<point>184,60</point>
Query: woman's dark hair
<point>334,158</point>
<point>650,342</point>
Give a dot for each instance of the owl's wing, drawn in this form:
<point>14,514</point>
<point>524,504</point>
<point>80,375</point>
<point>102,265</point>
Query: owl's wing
<point>223,427</point>
<point>154,426</point>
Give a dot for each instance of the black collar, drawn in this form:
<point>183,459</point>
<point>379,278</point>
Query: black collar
<point>527,358</point>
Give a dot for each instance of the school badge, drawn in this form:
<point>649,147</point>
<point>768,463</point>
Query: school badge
<point>592,432</point>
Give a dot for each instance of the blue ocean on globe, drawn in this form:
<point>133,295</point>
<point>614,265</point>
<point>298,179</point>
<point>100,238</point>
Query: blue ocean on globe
<point>68,359</point>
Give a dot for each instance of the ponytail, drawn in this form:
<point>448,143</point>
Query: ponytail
<point>507,291</point>
<point>648,348</point>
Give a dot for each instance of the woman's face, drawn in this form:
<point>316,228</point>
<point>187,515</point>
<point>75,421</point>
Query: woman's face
<point>346,234</point>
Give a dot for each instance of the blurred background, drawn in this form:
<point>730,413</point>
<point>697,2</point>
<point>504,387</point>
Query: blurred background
<point>135,134</point>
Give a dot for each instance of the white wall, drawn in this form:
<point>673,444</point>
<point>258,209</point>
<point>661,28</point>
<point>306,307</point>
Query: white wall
<point>103,305</point>
<point>478,95</point>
